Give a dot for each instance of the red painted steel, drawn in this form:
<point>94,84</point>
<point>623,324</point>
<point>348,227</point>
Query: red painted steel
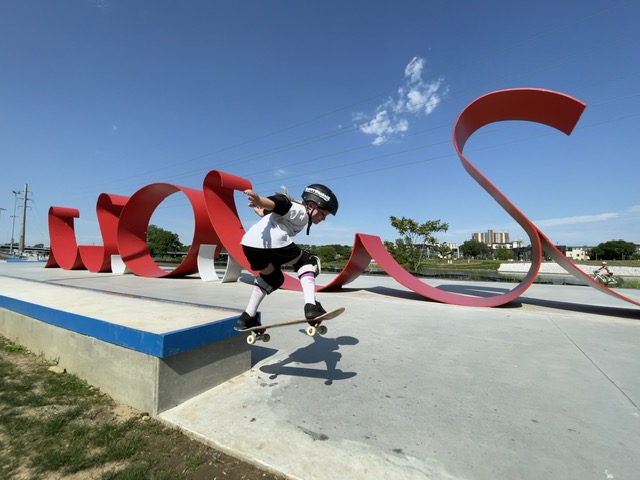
<point>219,188</point>
<point>536,105</point>
<point>97,258</point>
<point>64,248</point>
<point>368,247</point>
<point>134,221</point>
<point>124,221</point>
<point>543,106</point>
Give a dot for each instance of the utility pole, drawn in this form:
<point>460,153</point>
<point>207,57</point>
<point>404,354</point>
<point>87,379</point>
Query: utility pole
<point>13,224</point>
<point>2,210</point>
<point>23,227</point>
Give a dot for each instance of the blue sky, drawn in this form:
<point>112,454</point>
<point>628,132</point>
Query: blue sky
<point>111,95</point>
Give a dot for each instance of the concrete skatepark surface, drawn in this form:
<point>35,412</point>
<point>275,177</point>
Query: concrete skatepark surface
<point>402,387</point>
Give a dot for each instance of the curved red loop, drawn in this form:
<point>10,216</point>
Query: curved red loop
<point>64,247</point>
<point>217,221</point>
<point>97,258</point>
<point>544,106</point>
<point>218,188</point>
<point>548,107</point>
<point>367,247</point>
<point>134,220</point>
<point>529,104</point>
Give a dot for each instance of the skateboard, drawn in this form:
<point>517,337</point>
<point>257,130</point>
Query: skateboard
<point>259,333</point>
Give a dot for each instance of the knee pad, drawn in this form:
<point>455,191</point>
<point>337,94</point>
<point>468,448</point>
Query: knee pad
<point>271,282</point>
<point>308,263</point>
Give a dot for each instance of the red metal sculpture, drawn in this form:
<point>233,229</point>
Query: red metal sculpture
<point>218,190</point>
<point>62,236</point>
<point>134,220</point>
<point>217,221</point>
<point>97,258</point>
<point>536,105</point>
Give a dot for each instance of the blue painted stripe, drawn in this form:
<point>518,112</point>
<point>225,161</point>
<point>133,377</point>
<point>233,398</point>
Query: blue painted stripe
<point>157,344</point>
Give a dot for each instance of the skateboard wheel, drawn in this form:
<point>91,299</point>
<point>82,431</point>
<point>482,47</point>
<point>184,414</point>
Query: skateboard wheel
<point>251,339</point>
<point>265,337</point>
<point>311,331</point>
<point>322,330</point>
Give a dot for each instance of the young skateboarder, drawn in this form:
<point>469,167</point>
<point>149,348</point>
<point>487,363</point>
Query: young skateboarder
<point>268,245</point>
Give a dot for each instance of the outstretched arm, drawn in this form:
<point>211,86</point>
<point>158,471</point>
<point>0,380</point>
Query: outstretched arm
<point>259,204</point>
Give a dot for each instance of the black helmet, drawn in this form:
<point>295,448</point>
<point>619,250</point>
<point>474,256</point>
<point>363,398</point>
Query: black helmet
<point>322,196</point>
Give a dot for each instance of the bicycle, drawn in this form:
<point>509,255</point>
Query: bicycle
<point>606,280</point>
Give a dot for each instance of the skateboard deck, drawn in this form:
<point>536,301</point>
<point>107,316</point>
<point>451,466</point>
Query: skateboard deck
<point>259,333</point>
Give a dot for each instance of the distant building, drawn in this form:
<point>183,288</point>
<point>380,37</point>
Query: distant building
<point>455,250</point>
<point>578,253</point>
<point>490,237</point>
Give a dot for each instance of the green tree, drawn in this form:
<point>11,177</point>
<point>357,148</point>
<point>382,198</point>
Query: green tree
<point>409,249</point>
<point>161,241</point>
<point>503,253</point>
<point>444,250</point>
<point>329,254</point>
<point>613,250</point>
<point>474,249</point>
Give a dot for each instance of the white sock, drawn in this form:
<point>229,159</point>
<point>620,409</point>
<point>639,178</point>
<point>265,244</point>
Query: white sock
<point>257,295</point>
<point>308,283</point>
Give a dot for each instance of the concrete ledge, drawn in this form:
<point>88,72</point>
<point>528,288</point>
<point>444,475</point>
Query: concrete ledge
<point>158,344</point>
<point>149,370</point>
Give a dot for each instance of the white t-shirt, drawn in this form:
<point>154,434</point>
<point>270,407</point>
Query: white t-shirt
<point>275,231</point>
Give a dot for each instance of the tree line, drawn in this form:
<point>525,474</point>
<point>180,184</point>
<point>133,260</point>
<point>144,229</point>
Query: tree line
<point>410,249</point>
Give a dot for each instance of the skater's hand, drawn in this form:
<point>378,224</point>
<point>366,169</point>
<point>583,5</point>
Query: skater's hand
<point>254,199</point>
<point>258,203</point>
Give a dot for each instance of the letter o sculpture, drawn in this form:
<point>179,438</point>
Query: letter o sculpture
<point>134,222</point>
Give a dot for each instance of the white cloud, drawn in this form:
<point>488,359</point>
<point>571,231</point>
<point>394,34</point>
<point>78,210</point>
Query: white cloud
<point>413,70</point>
<point>634,209</point>
<point>415,97</point>
<point>579,219</point>
<point>424,98</point>
<point>383,126</point>
<point>585,229</point>
<point>574,230</point>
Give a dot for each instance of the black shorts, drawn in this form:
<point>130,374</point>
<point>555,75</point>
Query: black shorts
<point>260,258</point>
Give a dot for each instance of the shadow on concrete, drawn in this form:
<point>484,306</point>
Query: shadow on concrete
<point>476,290</point>
<point>259,354</point>
<point>322,350</point>
<point>386,291</point>
<point>608,311</point>
<point>486,291</point>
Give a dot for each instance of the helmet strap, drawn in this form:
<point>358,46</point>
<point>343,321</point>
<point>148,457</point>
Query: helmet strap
<point>313,209</point>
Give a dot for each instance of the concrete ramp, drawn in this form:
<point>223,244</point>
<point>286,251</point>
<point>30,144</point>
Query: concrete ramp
<point>150,354</point>
<point>400,387</point>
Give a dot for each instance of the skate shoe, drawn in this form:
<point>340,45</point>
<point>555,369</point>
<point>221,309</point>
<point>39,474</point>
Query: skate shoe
<point>247,321</point>
<point>312,311</point>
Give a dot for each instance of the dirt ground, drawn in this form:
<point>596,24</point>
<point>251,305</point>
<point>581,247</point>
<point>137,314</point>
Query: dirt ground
<point>55,426</point>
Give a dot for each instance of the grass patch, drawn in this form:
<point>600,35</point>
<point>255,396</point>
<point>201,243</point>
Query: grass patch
<point>56,425</point>
<point>464,265</point>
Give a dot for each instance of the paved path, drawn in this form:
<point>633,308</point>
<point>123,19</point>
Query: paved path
<point>403,388</point>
